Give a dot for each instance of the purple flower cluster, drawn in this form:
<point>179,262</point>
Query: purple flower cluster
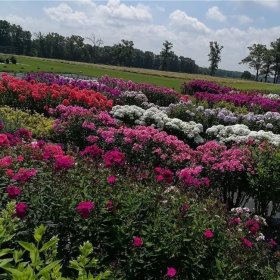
<point>251,101</point>
<point>205,86</point>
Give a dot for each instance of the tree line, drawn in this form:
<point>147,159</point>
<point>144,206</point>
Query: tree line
<point>264,60</point>
<point>13,39</point>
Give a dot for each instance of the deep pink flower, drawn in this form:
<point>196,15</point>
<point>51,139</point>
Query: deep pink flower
<point>163,175</point>
<point>52,150</point>
<point>9,172</point>
<point>110,205</point>
<point>20,158</point>
<point>235,221</point>
<point>84,208</point>
<point>24,133</point>
<point>4,141</point>
<point>63,162</point>
<point>6,161</point>
<point>24,174</point>
<point>184,208</point>
<point>13,191</point>
<point>208,233</point>
<point>114,158</point>
<point>171,272</point>
<point>272,243</point>
<point>21,209</point>
<point>247,242</point>
<point>137,241</point>
<point>112,180</point>
<point>191,177</point>
<point>93,151</point>
<point>252,225</point>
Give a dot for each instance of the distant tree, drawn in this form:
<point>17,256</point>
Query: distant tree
<point>214,56</point>
<point>13,60</point>
<point>246,75</point>
<point>165,54</point>
<point>267,62</point>
<point>276,59</point>
<point>95,44</point>
<point>255,58</point>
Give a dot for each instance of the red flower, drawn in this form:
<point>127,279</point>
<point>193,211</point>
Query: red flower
<point>84,208</point>
<point>94,151</point>
<point>247,242</point>
<point>13,191</point>
<point>66,102</point>
<point>208,233</point>
<point>21,209</point>
<point>63,162</point>
<point>171,272</point>
<point>137,241</point>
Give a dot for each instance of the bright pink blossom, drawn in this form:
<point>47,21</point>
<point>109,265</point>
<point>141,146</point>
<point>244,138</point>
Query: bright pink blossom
<point>137,241</point>
<point>84,208</point>
<point>112,180</point>
<point>4,141</point>
<point>171,272</point>
<point>208,233</point>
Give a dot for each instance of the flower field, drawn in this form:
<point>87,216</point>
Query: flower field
<point>110,179</point>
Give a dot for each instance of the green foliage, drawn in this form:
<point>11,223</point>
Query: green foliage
<point>13,119</point>
<point>36,261</point>
<point>265,182</point>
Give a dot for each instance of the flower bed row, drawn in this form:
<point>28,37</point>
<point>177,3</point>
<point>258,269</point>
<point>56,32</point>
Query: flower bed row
<point>39,97</point>
<point>132,225</point>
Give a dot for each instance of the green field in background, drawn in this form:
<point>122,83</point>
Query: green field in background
<point>161,78</point>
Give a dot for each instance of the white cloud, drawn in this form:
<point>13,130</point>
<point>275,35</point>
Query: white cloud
<point>214,13</point>
<point>242,19</point>
<point>64,13</point>
<point>179,19</point>
<point>269,3</point>
<point>189,35</point>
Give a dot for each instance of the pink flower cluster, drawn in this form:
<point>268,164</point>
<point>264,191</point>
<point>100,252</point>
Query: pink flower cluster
<point>163,175</point>
<point>191,177</point>
<point>114,158</point>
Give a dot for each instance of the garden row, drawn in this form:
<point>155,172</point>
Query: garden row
<point>158,196</point>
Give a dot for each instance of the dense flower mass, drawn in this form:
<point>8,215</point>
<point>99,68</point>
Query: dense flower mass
<point>38,95</point>
<point>171,178</point>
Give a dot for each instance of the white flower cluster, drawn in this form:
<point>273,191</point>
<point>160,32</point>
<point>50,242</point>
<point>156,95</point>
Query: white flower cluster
<point>273,96</point>
<point>241,133</point>
<point>155,117</point>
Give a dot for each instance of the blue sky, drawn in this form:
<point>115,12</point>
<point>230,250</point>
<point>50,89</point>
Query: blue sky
<point>189,25</point>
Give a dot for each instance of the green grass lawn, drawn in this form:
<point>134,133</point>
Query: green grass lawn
<point>162,78</point>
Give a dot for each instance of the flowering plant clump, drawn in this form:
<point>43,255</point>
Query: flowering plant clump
<point>39,96</point>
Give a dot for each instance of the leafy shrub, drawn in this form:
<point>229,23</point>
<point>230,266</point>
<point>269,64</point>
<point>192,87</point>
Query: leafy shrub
<point>14,119</point>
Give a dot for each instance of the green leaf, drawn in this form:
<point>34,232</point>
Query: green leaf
<point>48,268</point>
<point>4,252</point>
<point>53,241</point>
<point>27,246</point>
<point>4,262</point>
<point>39,232</point>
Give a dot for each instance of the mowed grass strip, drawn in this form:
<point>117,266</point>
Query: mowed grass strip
<point>160,78</point>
